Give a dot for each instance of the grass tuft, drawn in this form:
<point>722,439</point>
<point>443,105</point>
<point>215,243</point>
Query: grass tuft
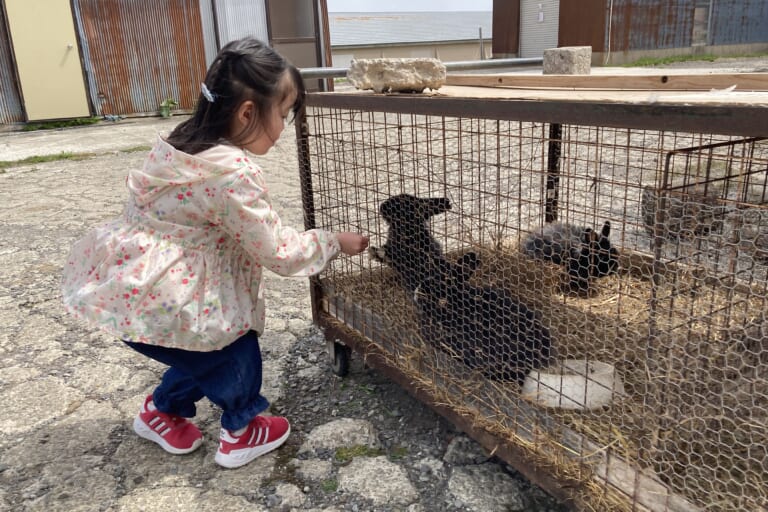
<point>346,454</point>
<point>66,155</point>
<point>660,61</point>
<point>65,123</point>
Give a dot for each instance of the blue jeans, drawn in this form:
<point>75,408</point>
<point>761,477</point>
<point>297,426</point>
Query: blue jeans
<point>230,378</point>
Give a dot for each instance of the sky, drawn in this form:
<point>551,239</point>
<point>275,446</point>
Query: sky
<point>408,5</point>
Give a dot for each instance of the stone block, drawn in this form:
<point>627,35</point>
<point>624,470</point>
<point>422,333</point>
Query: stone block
<point>568,60</point>
<point>396,75</point>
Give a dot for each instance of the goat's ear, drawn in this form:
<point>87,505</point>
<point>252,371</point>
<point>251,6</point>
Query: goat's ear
<point>436,205</point>
<point>588,236</point>
<point>606,229</point>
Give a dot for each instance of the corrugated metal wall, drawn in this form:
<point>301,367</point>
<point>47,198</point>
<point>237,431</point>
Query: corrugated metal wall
<point>650,24</point>
<point>739,22</point>
<point>582,23</point>
<point>539,21</point>
<point>139,53</point>
<point>10,101</point>
<point>210,32</point>
<point>226,20</point>
<point>636,25</point>
<point>241,18</point>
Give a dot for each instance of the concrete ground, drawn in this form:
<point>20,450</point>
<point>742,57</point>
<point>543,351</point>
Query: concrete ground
<point>68,392</point>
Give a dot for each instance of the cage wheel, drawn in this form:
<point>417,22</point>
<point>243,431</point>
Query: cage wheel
<point>339,356</point>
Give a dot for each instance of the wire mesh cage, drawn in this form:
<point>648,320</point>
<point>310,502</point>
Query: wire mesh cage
<point>582,288</point>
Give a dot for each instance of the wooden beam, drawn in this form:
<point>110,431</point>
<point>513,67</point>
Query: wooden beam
<point>668,82</point>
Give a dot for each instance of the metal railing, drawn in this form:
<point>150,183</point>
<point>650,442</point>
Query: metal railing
<point>310,73</point>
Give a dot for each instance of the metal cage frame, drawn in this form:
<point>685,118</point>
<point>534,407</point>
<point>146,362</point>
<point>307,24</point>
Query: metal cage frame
<point>645,493</point>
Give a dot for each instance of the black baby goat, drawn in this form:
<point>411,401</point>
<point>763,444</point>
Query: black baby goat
<point>584,253</point>
<point>483,326</point>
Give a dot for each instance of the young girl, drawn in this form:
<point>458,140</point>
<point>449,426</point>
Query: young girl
<point>178,277</point>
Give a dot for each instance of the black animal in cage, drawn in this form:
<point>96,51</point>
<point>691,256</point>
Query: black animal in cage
<point>410,247</point>
<point>485,327</point>
<point>583,252</point>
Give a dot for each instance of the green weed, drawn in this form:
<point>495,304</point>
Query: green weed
<point>65,123</point>
<point>5,164</point>
<point>398,452</point>
<point>347,454</point>
<point>330,485</point>
<point>660,61</point>
<point>40,159</point>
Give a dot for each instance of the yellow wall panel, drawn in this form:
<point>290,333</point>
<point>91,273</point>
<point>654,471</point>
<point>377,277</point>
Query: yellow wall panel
<point>46,51</point>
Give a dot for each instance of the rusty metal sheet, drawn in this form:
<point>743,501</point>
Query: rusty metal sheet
<point>138,53</point>
<point>11,110</point>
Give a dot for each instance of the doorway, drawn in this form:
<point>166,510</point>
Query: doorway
<point>47,59</point>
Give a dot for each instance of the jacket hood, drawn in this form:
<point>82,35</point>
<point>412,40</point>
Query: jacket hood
<point>166,168</point>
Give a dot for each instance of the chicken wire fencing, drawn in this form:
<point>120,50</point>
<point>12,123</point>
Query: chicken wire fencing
<point>593,295</point>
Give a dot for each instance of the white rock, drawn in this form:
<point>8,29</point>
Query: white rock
<point>292,496</point>
<point>485,487</point>
<point>377,479</point>
<point>463,450</point>
<point>397,75</point>
<point>344,432</point>
<point>313,469</point>
<point>568,60</point>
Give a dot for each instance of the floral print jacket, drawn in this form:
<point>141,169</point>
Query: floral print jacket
<point>182,267</point>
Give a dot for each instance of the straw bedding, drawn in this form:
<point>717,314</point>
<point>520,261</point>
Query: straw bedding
<point>691,352</point>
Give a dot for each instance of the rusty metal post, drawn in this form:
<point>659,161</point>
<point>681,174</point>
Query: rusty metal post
<point>307,197</point>
<point>553,171</point>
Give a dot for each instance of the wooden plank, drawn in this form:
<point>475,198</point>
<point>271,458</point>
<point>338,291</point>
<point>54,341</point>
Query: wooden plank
<point>629,82</point>
<point>735,113</point>
<point>612,96</point>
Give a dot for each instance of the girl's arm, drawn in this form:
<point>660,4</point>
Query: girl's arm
<point>246,213</point>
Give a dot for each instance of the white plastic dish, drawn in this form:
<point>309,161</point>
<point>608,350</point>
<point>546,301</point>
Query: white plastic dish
<point>574,384</point>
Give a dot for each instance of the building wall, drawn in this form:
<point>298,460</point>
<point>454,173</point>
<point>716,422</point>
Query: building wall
<point>622,31</point>
<point>583,23</point>
<point>138,53</point>
<point>539,21</point>
<point>739,22</point>
<point>48,65</point>
<point>10,100</point>
<point>227,20</point>
<point>506,28</point>
<point>651,24</point>
<point>448,52</point>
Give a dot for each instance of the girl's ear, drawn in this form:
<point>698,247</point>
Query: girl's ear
<point>245,114</point>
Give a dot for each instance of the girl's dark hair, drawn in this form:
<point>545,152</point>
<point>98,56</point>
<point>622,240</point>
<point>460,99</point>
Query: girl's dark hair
<point>245,69</point>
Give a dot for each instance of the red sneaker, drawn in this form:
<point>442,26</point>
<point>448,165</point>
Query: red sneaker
<point>173,433</point>
<point>262,435</point>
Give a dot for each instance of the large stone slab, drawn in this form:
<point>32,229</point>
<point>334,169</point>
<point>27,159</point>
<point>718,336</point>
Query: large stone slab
<point>568,60</point>
<point>397,75</point>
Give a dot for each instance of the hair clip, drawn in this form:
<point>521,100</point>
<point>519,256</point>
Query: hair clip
<point>207,93</point>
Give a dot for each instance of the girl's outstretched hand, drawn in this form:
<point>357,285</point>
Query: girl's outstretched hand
<point>352,243</point>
